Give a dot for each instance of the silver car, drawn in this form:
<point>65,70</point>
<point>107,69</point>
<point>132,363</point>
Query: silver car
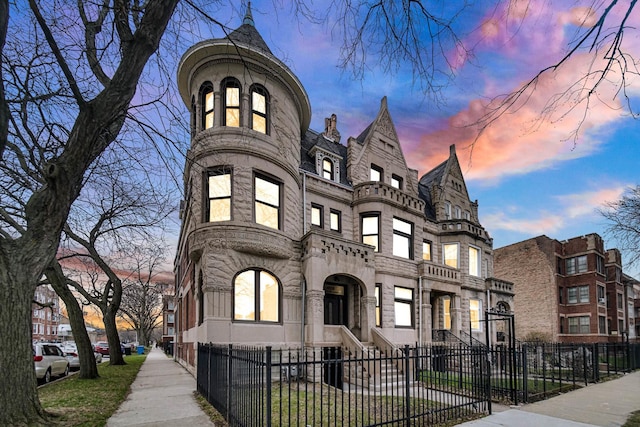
<point>49,361</point>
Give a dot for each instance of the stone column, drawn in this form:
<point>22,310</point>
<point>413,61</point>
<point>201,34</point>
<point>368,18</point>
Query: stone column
<point>427,317</point>
<point>315,316</point>
<point>456,315</point>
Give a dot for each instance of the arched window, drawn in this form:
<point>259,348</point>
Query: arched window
<point>259,109</point>
<point>327,168</point>
<point>256,296</point>
<point>206,103</point>
<point>231,102</point>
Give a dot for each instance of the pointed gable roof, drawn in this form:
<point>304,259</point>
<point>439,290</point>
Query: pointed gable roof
<point>382,123</point>
<point>438,177</point>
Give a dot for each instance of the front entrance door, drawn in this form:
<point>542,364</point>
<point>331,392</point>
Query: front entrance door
<point>335,305</point>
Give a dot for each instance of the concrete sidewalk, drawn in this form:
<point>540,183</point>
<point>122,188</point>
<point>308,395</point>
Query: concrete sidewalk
<point>161,395</point>
<point>607,404</point>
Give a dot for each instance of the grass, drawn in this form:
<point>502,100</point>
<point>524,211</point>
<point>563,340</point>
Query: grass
<point>633,421</point>
<point>76,402</point>
<point>303,404</point>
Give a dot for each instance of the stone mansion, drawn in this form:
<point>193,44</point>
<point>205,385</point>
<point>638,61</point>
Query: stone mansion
<point>292,237</point>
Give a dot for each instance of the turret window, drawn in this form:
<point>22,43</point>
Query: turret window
<point>267,201</point>
<point>219,196</point>
<point>259,109</point>
<point>231,103</point>
<point>206,102</point>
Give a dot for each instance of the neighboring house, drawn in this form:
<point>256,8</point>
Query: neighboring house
<point>290,238</point>
<point>568,291</point>
<point>168,320</point>
<point>45,314</point>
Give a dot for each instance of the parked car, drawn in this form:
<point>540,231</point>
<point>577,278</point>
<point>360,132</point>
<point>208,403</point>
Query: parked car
<point>49,361</point>
<point>102,347</point>
<point>69,347</point>
<point>74,359</point>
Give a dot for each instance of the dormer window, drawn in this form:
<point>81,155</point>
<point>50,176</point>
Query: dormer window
<point>259,109</point>
<point>206,102</point>
<point>231,102</point>
<point>327,168</point>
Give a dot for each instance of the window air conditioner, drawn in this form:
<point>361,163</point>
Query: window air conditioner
<point>602,301</point>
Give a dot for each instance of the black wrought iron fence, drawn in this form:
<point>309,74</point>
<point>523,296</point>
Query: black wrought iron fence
<point>333,386</point>
<point>535,371</point>
<point>420,385</point>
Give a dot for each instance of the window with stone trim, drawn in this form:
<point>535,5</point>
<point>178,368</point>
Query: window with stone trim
<point>327,168</point>
<point>267,201</point>
<point>207,105</point>
<point>475,309</point>
<point>576,265</point>
<point>259,109</point>
<point>578,294</point>
<point>256,297</point>
<point>335,220</point>
<point>474,261</point>
<point>376,173</point>
<point>317,214</point>
<point>370,229</point>
<point>402,238</point>
<point>403,305</point>
<point>579,324</point>
<point>231,90</point>
<point>219,195</point>
<point>450,252</point>
<point>446,312</point>
<point>426,250</point>
<point>396,181</point>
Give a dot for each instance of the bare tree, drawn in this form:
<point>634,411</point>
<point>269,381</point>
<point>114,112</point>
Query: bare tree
<point>118,211</point>
<point>52,79</point>
<point>57,279</point>
<point>141,305</point>
<point>624,224</point>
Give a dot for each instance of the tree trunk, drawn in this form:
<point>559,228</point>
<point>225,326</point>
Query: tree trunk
<point>111,329</point>
<point>19,397</point>
<point>88,367</point>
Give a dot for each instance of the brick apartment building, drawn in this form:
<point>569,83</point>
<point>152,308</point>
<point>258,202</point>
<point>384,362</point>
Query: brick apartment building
<point>290,238</point>
<point>45,315</point>
<point>569,291</point>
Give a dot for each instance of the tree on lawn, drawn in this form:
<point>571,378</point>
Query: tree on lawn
<point>142,294</point>
<point>121,208</point>
<point>59,113</point>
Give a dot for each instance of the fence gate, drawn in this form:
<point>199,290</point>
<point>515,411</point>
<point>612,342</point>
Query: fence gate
<point>501,353</point>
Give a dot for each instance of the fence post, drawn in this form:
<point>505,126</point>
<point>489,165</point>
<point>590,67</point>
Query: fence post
<point>407,379</point>
<point>229,379</point>
<point>525,374</point>
<point>269,386</point>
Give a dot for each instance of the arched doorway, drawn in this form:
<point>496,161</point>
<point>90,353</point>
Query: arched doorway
<point>344,303</point>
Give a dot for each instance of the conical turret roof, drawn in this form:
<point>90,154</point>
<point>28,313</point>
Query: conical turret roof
<point>248,34</point>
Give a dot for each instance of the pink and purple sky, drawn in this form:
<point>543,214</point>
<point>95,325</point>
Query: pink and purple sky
<point>529,172</point>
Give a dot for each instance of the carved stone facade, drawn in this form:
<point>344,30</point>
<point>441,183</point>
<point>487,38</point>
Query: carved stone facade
<point>290,238</point>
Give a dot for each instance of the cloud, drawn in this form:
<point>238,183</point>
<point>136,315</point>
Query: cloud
<point>554,120</point>
<point>572,207</point>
